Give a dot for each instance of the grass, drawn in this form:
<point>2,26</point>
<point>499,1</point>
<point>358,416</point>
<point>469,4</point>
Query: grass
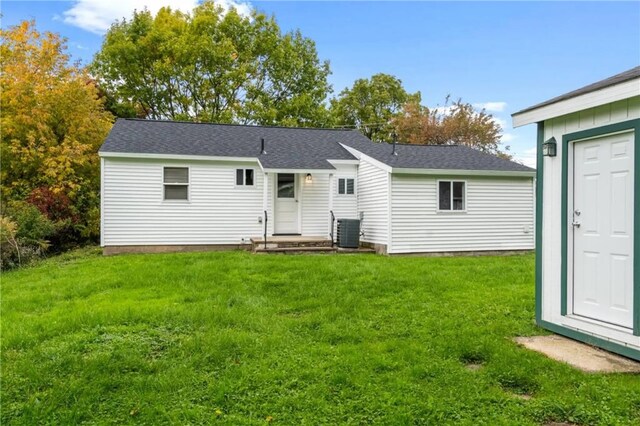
<point>235,338</point>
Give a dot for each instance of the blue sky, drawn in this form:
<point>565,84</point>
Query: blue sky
<point>508,54</point>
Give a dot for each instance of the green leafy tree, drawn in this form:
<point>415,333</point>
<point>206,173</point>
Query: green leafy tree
<point>209,65</point>
<point>370,105</point>
<point>456,123</point>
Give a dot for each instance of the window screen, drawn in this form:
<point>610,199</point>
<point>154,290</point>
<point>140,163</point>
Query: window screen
<point>248,177</point>
<point>444,195</point>
<point>176,183</point>
<point>458,196</point>
<point>451,195</point>
<point>244,177</point>
<point>176,175</point>
<point>346,186</point>
<point>350,186</point>
<point>176,192</point>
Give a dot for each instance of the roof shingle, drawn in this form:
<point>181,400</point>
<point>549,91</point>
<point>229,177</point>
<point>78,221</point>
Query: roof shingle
<point>288,147</point>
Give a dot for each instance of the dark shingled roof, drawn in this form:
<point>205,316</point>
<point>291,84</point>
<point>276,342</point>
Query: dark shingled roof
<point>446,157</point>
<point>288,147</point>
<point>611,81</point>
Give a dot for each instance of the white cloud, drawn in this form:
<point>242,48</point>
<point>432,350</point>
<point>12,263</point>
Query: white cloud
<point>507,137</point>
<point>97,16</point>
<point>243,8</point>
<point>491,106</point>
<point>502,123</point>
<point>527,157</point>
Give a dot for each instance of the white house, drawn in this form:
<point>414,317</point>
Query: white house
<point>588,213</point>
<point>177,185</point>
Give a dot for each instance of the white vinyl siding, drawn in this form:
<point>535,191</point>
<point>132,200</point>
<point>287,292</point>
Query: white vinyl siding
<point>499,215</point>
<point>615,112</point>
<point>373,202</point>
<point>315,200</point>
<point>344,206</point>
<point>314,197</point>
<point>135,213</point>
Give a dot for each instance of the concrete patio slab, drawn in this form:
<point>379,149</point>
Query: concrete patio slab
<point>579,355</point>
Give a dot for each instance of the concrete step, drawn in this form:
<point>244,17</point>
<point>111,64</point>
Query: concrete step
<point>290,242</point>
<point>355,250</point>
<point>295,250</point>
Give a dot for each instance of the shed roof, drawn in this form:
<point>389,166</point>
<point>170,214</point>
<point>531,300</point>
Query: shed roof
<point>607,82</point>
<point>288,147</point>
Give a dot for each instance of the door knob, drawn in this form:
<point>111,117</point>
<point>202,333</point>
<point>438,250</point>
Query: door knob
<point>577,212</point>
<point>575,224</point>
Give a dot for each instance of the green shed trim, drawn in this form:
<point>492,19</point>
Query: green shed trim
<point>564,215</point>
<point>589,339</point>
<point>539,187</point>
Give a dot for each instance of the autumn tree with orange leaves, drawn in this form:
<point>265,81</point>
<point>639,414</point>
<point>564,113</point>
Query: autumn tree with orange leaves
<point>52,122</point>
<point>455,123</point>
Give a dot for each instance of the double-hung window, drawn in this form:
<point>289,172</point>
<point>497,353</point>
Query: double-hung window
<point>176,183</point>
<point>244,177</point>
<point>451,195</point>
<point>346,186</point>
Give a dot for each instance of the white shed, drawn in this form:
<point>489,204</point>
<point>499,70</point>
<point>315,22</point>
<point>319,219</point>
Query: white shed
<point>588,213</point>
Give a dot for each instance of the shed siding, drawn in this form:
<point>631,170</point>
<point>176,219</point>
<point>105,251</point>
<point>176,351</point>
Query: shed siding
<point>217,212</point>
<point>373,202</point>
<point>499,215</point>
<point>552,196</point>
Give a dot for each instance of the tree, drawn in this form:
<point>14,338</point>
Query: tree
<point>52,119</point>
<point>213,66</point>
<point>371,104</point>
<point>455,123</point>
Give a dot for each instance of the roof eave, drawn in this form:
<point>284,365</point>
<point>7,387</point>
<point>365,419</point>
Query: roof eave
<point>617,92</point>
<point>298,170</point>
<point>155,156</point>
<point>463,172</point>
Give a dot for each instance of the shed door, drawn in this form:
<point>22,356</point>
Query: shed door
<point>286,214</point>
<point>603,229</point>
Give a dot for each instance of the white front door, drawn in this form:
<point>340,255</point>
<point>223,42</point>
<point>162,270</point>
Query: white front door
<point>286,209</point>
<point>602,211</point>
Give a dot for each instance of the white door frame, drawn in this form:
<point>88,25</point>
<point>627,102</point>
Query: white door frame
<point>297,197</point>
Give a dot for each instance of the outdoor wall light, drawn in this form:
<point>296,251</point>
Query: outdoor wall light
<point>549,147</point>
<point>309,178</point>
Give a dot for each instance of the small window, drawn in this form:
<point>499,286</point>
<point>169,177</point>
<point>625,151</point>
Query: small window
<point>286,185</point>
<point>451,196</point>
<point>176,183</point>
<point>346,186</point>
<point>244,177</point>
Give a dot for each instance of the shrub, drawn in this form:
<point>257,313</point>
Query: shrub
<point>23,234</point>
<point>54,205</point>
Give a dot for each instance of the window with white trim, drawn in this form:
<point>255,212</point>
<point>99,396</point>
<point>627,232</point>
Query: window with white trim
<point>176,183</point>
<point>346,186</point>
<point>244,177</point>
<point>451,195</point>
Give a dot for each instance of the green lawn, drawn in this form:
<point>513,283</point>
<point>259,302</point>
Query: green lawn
<point>235,338</point>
